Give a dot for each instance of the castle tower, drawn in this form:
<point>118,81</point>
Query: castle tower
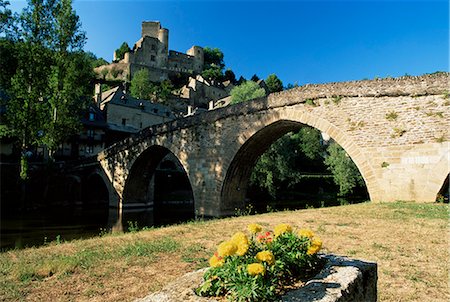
<point>154,30</point>
<point>199,58</point>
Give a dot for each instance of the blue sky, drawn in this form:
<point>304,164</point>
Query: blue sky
<point>300,41</point>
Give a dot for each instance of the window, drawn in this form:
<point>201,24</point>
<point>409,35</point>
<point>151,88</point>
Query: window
<point>90,133</point>
<point>91,116</point>
<point>155,110</point>
<point>153,58</point>
<point>89,149</point>
<point>124,122</point>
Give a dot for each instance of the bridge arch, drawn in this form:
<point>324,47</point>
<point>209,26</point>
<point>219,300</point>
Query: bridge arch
<point>256,140</point>
<point>139,186</point>
<point>73,189</point>
<point>401,158</point>
<point>96,190</point>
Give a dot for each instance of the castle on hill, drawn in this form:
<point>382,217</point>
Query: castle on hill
<point>152,52</point>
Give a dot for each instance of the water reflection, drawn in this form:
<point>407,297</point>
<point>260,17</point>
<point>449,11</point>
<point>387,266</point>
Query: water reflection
<point>38,227</point>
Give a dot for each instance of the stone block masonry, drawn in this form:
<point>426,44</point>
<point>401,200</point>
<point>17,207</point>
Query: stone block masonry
<point>341,280</point>
<point>395,130</point>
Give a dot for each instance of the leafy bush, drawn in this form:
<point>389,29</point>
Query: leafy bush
<point>259,267</point>
<point>248,90</point>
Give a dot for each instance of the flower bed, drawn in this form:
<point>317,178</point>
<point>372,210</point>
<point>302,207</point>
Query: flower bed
<point>266,266</point>
<point>260,266</point>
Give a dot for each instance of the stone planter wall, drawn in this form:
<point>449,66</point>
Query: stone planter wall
<point>341,280</point>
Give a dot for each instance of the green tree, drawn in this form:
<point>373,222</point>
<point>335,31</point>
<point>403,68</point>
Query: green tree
<point>230,76</point>
<point>290,85</point>
<point>213,57</point>
<point>213,64</point>
<point>345,173</point>
<point>140,85</point>
<point>214,73</point>
<point>7,21</point>
<point>121,51</point>
<point>308,141</point>
<point>95,62</point>
<point>8,62</point>
<point>274,166</point>
<point>274,83</point>
<point>254,78</point>
<point>241,80</point>
<point>52,77</point>
<point>248,90</point>
<point>164,90</point>
<point>282,164</point>
<point>69,70</point>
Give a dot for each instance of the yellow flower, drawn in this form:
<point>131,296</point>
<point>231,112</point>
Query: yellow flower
<point>241,241</point>
<point>306,233</point>
<point>227,248</point>
<point>315,246</point>
<point>281,229</point>
<point>242,249</point>
<point>266,256</point>
<point>255,269</point>
<point>239,237</point>
<point>254,228</point>
<point>216,261</point>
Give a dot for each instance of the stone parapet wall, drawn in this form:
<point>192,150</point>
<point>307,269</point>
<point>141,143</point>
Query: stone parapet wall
<point>363,98</point>
<point>403,86</point>
<point>341,280</point>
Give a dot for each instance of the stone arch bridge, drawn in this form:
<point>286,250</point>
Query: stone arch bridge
<point>395,130</point>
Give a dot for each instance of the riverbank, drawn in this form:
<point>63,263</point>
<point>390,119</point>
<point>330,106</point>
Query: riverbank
<point>408,241</point>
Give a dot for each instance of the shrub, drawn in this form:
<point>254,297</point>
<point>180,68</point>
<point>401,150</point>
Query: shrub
<point>257,268</point>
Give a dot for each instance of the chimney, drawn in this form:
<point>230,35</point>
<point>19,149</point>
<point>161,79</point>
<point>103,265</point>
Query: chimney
<point>189,110</point>
<point>211,105</point>
<point>98,94</point>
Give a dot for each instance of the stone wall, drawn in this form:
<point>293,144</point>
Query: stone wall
<point>341,280</point>
<point>395,130</point>
<point>134,118</point>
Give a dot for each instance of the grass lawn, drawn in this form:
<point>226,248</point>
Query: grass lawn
<point>409,241</point>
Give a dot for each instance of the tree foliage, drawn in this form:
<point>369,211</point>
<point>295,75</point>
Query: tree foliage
<point>142,88</point>
<point>230,76</point>
<point>274,83</point>
<point>286,159</point>
<point>163,91</point>
<point>309,141</point>
<point>51,79</point>
<point>345,173</point>
<point>283,163</point>
<point>213,57</point>
<point>248,90</point>
<point>213,73</point>
<point>7,21</point>
<point>95,61</point>
<point>290,85</point>
<point>213,64</point>
<point>140,84</point>
<point>8,62</point>
<point>274,166</point>
<point>254,78</point>
<point>122,50</point>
